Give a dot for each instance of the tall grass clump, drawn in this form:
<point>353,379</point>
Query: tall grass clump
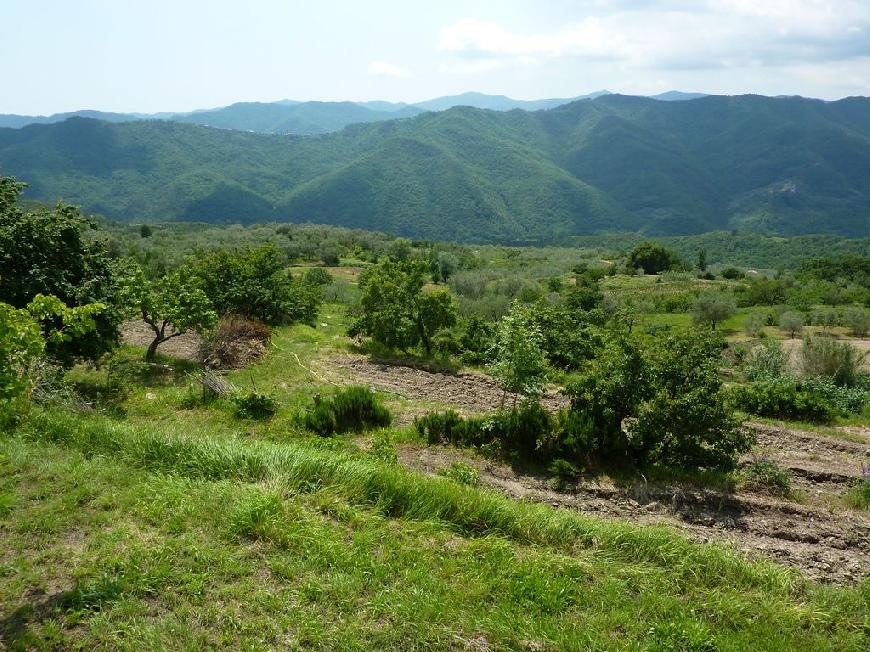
<point>354,408</point>
<point>396,492</point>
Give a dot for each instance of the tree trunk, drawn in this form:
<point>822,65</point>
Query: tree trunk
<point>152,349</point>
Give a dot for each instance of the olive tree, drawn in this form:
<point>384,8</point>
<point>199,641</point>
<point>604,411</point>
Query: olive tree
<point>713,308</point>
<point>858,321</point>
<point>792,322</point>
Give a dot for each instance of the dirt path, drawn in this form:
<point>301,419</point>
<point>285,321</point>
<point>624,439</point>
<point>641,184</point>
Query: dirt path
<point>816,533</point>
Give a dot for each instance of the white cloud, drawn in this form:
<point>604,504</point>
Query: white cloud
<point>674,35</point>
<point>387,69</point>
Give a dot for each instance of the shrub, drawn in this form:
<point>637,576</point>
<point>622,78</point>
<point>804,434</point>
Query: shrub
<point>317,276</point>
<point>462,473</point>
<point>767,476</point>
<point>782,398</point>
<point>732,273</point>
<point>766,362</point>
<point>859,496</point>
<point>565,473</point>
<point>255,405</point>
<point>840,361</point>
<point>354,408</point>
<point>449,427</point>
<point>848,400</point>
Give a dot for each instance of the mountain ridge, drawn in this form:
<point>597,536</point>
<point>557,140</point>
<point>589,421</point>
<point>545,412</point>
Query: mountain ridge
<point>616,163</point>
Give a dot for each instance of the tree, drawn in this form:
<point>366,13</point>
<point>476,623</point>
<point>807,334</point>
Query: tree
<point>23,339</point>
<point>396,311</point>
<point>791,322</point>
<point>171,305</point>
<point>48,252</point>
<point>826,318</point>
<point>653,258</point>
<point>519,365</point>
<point>145,231</point>
<point>858,321</point>
<point>256,283</point>
<point>713,308</point>
<point>702,260</point>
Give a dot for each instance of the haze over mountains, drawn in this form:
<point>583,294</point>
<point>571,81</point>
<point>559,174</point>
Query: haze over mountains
<point>306,118</point>
<point>609,164</point>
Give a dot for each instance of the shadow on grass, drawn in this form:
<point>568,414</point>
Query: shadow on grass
<point>443,364</point>
<point>15,628</point>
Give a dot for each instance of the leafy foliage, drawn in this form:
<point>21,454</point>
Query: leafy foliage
<point>396,311</point>
<point>47,252</point>
<point>171,305</point>
<point>352,408</point>
<point>255,405</point>
<point>653,258</point>
<point>255,283</point>
<point>518,362</point>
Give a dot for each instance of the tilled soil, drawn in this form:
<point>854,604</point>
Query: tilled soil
<point>818,535</point>
<point>831,545</point>
<point>465,391</point>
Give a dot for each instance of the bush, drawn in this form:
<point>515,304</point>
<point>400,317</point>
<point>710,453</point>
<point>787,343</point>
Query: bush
<point>255,405</point>
<point>564,472</point>
<point>782,398</point>
<point>767,476</point>
<point>766,362</point>
<point>840,361</point>
<point>848,400</point>
<point>859,496</point>
<point>462,473</point>
<point>732,274</point>
<point>353,408</point>
<point>317,276</point>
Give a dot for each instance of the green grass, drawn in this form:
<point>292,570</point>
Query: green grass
<point>125,539</point>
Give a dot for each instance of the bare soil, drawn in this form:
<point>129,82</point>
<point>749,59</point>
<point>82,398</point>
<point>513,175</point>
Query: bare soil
<point>467,392</point>
<point>813,531</point>
<point>186,347</point>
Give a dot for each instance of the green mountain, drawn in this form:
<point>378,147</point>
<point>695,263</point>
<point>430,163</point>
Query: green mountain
<point>612,164</point>
<point>296,118</point>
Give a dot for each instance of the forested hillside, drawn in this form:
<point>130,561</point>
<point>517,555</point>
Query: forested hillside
<point>613,164</point>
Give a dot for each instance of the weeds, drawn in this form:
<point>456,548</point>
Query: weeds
<point>462,473</point>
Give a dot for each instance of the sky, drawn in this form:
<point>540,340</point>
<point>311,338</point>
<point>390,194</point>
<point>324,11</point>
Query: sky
<point>160,55</point>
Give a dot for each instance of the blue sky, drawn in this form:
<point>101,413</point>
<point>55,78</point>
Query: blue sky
<point>172,56</point>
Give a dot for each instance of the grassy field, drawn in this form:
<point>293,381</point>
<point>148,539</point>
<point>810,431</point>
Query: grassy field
<point>160,522</point>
